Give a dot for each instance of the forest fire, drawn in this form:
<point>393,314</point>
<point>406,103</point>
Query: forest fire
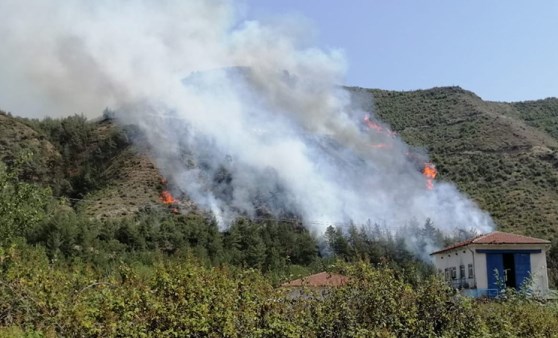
<point>167,198</point>
<point>429,171</point>
<point>378,128</point>
<point>372,125</point>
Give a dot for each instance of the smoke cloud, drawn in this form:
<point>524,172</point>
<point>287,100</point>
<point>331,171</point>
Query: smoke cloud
<point>246,118</point>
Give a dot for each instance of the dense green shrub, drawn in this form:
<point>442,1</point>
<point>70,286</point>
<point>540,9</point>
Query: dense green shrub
<point>186,298</point>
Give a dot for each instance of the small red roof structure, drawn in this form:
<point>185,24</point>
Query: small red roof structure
<point>322,279</point>
<point>495,237</point>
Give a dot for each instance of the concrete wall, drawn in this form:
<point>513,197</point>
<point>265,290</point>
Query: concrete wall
<point>538,264</point>
<point>480,269</point>
<point>454,259</point>
<point>468,255</point>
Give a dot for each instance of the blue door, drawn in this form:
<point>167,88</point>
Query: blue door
<point>494,262</point>
<point>522,268</point>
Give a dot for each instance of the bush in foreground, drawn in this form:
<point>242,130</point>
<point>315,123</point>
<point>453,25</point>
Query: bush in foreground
<point>173,298</point>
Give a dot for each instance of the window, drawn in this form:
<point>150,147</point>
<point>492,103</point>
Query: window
<point>471,273</point>
<point>462,272</point>
<point>447,274</point>
<point>454,273</point>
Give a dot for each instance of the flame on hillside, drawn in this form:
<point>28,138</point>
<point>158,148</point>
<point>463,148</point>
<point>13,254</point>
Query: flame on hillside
<point>371,124</point>
<point>167,198</point>
<point>378,128</point>
<point>429,171</point>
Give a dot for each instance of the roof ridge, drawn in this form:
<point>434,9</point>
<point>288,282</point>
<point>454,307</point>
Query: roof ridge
<point>514,234</point>
<point>495,237</point>
<point>480,236</point>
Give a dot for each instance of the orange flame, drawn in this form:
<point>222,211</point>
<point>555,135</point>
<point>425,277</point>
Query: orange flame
<point>372,125</point>
<point>167,198</point>
<point>378,128</point>
<point>429,171</point>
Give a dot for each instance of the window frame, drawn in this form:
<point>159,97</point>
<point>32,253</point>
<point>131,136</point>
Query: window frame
<point>471,271</point>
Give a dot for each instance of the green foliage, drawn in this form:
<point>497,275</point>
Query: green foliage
<point>552,261</point>
<point>22,205</point>
<point>379,246</point>
<point>542,114</point>
<point>85,149</point>
<point>186,298</point>
<point>30,212</point>
<point>271,246</point>
<point>517,318</point>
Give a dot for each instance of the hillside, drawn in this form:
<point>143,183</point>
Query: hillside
<point>18,139</point>
<point>503,155</point>
<point>92,164</point>
<point>132,182</point>
<point>131,266</point>
<point>542,114</point>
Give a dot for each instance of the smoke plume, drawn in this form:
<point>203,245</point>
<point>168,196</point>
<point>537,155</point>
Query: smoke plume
<point>246,118</point>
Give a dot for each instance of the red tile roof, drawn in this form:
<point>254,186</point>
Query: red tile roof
<point>495,237</point>
<point>319,280</point>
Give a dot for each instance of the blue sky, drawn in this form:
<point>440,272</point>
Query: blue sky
<point>501,50</point>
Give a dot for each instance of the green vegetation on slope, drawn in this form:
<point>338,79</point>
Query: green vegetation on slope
<point>504,156</point>
<point>542,114</point>
<point>43,161</point>
<point>73,155</point>
<point>30,213</point>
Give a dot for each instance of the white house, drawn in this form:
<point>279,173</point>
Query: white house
<point>481,265</point>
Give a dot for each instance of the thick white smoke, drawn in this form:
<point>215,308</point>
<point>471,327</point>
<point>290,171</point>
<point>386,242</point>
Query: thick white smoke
<point>244,117</point>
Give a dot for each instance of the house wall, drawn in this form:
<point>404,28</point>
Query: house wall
<point>538,264</point>
<point>454,259</point>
